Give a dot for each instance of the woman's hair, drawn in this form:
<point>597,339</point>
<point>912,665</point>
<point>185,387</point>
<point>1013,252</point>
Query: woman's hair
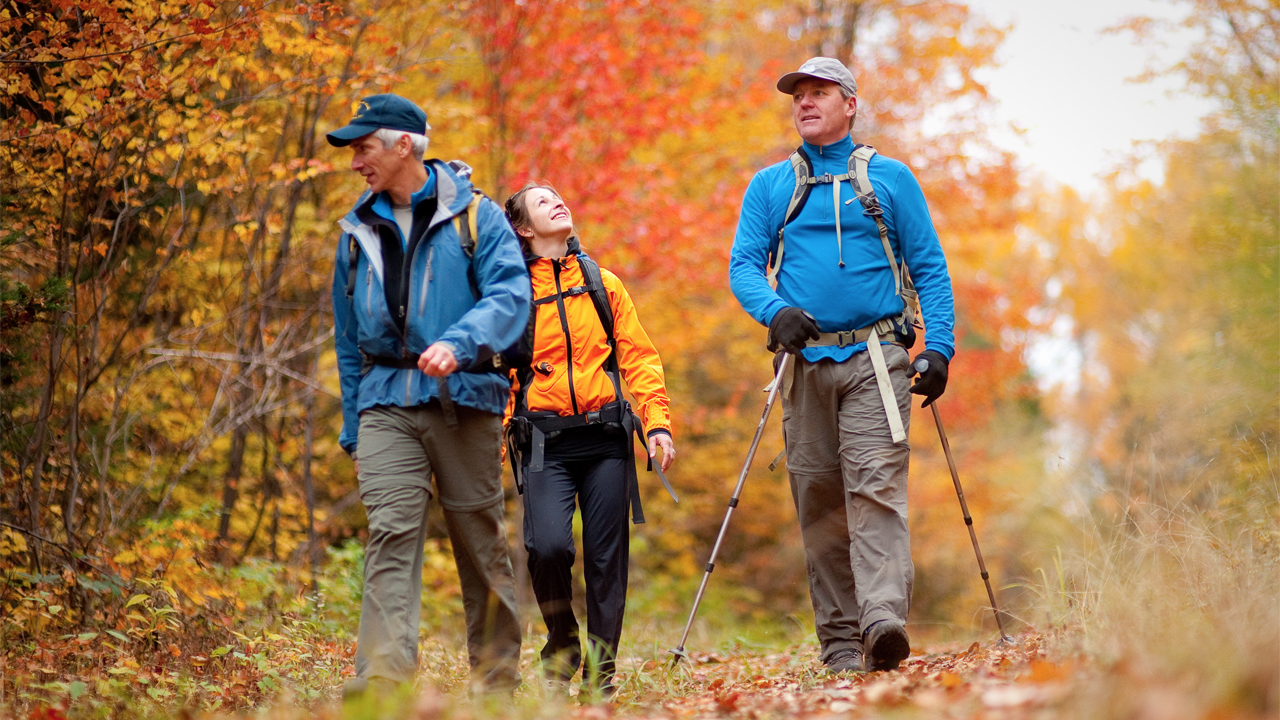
<point>518,210</point>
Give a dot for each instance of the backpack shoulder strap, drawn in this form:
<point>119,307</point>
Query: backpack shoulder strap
<point>859,161</point>
<point>861,179</point>
<point>353,261</point>
<point>599,296</point>
<point>802,166</point>
<point>467,226</point>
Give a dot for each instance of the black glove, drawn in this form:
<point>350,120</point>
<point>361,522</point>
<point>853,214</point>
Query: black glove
<point>933,378</point>
<point>790,328</point>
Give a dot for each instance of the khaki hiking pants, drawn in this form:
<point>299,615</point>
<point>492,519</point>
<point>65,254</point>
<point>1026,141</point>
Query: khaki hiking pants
<point>400,450</point>
<point>849,483</point>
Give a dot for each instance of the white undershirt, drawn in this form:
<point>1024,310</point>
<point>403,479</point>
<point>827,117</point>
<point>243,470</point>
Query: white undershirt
<point>404,218</point>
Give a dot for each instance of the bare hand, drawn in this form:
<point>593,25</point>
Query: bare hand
<point>662,440</point>
<point>438,360</point>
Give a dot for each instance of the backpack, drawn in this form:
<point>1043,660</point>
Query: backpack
<point>860,180</point>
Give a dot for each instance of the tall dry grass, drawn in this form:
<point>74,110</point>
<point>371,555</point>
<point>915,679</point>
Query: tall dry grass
<point>1177,603</point>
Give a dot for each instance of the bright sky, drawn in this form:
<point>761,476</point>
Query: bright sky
<point>1064,82</point>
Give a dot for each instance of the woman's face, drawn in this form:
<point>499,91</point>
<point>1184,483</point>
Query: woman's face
<point>548,216</point>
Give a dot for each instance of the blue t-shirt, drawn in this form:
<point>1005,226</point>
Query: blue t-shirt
<point>811,278</point>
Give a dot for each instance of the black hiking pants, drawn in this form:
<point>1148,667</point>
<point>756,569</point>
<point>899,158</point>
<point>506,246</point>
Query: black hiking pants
<point>600,486</point>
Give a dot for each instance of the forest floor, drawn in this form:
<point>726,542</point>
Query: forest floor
<point>1033,675</point>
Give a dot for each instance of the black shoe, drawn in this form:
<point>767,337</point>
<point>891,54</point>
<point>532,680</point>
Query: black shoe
<point>887,645</point>
<point>562,665</point>
<point>845,661</point>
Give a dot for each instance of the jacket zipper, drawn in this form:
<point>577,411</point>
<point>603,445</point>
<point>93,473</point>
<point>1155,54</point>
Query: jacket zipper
<point>564,327</point>
<point>406,277</point>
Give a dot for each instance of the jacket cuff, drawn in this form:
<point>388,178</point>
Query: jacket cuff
<point>655,431</point>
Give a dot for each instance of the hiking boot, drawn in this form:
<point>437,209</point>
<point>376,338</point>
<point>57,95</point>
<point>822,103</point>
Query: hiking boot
<point>843,661</point>
<point>887,645</point>
<point>358,689</point>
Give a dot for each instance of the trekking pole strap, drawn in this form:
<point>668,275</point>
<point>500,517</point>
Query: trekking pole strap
<point>657,468</point>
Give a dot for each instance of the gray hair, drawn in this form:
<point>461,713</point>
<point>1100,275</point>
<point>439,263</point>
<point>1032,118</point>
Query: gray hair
<point>846,95</point>
<point>390,137</point>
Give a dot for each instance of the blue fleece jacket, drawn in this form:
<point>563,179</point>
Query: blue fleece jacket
<point>861,292</point>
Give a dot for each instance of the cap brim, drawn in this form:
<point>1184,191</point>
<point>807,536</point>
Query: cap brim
<point>787,82</point>
<point>344,136</point>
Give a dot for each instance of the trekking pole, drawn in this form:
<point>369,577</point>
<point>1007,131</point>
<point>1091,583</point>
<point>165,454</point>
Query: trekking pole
<point>679,652</point>
<point>920,366</point>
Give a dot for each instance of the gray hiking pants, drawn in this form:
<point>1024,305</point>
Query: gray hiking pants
<point>849,483</point>
<point>400,450</point>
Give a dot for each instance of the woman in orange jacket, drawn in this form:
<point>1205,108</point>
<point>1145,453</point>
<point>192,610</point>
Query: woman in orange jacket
<point>574,430</point>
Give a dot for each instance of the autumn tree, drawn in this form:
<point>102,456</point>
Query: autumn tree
<point>1173,304</point>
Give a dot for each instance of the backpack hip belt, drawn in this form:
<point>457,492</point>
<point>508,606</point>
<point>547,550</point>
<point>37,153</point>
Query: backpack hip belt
<point>532,429</point>
<point>871,336</point>
<point>845,338</point>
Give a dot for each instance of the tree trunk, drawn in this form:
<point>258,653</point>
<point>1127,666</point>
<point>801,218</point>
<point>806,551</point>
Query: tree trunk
<point>231,482</point>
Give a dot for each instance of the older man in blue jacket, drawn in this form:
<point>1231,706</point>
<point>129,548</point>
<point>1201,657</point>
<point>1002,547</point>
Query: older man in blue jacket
<point>429,286</point>
<point>833,227</point>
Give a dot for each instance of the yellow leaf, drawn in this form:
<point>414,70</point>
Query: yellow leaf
<point>174,151</point>
<point>101,248</point>
<point>135,600</point>
<point>126,557</point>
<point>11,542</point>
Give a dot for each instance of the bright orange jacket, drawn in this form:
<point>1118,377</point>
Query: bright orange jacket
<point>569,352</point>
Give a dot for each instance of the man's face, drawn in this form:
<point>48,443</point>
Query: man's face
<point>548,216</point>
<point>820,112</point>
<point>378,165</point>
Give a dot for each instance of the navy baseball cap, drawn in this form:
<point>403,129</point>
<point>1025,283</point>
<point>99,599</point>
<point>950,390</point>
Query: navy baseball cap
<point>380,111</point>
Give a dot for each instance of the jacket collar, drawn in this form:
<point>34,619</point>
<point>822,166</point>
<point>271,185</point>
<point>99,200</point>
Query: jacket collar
<point>840,150</point>
<point>574,249</point>
<point>453,193</point>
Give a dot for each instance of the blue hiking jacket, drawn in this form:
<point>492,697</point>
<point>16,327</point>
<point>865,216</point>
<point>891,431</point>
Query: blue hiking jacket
<point>441,303</point>
<point>862,292</point>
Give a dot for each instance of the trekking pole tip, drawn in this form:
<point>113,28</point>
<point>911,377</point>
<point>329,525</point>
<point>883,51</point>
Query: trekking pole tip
<point>677,654</point>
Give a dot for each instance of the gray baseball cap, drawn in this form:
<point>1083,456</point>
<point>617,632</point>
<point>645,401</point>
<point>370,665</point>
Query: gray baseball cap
<point>823,68</point>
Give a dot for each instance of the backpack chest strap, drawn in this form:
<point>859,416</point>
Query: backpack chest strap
<point>567,292</point>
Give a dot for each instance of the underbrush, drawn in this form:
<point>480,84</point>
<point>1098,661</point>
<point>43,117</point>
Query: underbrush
<point>162,628</point>
<point>1178,605</point>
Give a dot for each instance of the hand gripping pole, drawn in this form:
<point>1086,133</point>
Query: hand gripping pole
<point>920,366</point>
<point>774,389</point>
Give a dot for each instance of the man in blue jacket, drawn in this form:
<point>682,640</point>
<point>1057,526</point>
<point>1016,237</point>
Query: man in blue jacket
<point>833,228</point>
<point>429,286</point>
